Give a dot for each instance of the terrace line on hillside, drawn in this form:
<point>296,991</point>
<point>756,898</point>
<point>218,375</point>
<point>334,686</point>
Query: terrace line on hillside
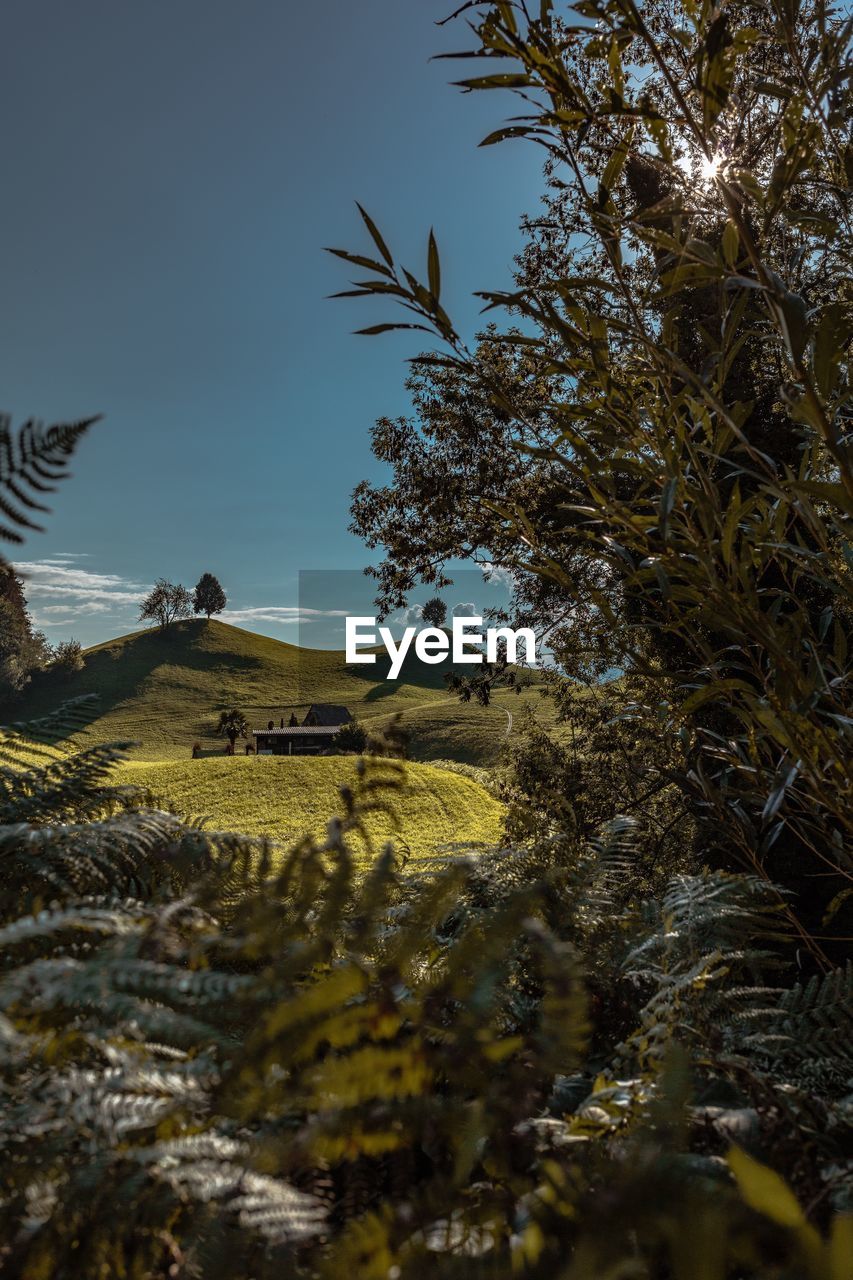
<point>433,644</point>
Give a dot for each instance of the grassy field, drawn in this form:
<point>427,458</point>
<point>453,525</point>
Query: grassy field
<point>165,691</point>
<point>286,798</point>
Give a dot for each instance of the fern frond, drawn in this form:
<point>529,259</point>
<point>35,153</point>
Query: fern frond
<point>32,462</point>
<point>205,1167</point>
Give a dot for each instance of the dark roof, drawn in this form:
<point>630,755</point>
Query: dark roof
<point>295,731</point>
<point>327,713</point>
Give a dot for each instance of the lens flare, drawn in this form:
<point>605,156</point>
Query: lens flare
<point>710,167</point>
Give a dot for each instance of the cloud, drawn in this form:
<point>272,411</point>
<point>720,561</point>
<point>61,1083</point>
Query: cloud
<point>287,614</point>
<point>465,610</point>
<point>60,592</point>
<point>502,577</point>
<point>57,592</point>
<point>409,617</point>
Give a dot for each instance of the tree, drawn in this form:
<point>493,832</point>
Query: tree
<point>434,612</point>
<point>350,737</point>
<point>166,603</point>
<point>23,650</point>
<point>233,724</point>
<point>684,491</point>
<point>208,596</point>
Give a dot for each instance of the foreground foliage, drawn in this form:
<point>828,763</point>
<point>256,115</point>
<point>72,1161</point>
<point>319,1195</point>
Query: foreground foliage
<point>572,1057</point>
<point>659,447</point>
<point>393,1075</point>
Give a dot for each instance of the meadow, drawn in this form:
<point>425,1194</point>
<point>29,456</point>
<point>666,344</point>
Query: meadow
<point>428,811</point>
<point>163,691</point>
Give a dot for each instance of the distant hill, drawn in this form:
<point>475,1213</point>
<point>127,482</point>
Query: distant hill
<point>165,690</point>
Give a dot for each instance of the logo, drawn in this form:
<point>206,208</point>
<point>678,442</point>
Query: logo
<point>465,643</point>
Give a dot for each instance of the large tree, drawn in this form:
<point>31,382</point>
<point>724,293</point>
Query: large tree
<point>675,501</point>
<point>434,612</point>
<point>23,650</point>
<point>166,602</point>
<point>208,596</point>
<point>33,460</point>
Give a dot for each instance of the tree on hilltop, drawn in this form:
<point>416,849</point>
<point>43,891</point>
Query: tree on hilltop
<point>166,603</point>
<point>208,596</point>
<point>434,612</point>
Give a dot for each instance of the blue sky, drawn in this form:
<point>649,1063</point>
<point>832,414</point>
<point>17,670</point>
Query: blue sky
<point>171,174</point>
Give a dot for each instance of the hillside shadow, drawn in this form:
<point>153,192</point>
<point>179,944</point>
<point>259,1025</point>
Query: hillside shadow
<point>416,674</point>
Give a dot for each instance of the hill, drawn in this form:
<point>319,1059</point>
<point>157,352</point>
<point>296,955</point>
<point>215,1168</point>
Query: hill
<point>164,690</point>
<point>287,798</point>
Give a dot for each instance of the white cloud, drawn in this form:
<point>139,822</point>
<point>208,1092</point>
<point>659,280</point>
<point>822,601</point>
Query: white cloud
<point>54,587</point>
<point>60,593</point>
<point>502,577</point>
<point>287,614</point>
<point>409,617</point>
<point>465,610</point>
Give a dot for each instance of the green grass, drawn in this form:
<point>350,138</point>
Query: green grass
<point>165,691</point>
<point>286,798</point>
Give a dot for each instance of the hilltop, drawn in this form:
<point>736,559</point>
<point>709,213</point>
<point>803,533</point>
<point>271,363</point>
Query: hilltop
<point>164,690</point>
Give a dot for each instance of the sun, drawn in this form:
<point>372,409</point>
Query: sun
<point>699,169</point>
<point>710,167</point>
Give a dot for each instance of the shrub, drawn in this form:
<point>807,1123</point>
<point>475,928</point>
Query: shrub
<point>350,737</point>
<point>67,657</point>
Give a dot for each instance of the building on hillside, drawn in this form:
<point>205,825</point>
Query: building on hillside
<point>313,736</point>
<point>327,713</point>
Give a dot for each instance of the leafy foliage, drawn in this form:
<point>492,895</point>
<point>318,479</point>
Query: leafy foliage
<point>222,1058</point>
<point>166,602</point>
<point>67,656</point>
<point>32,463</point>
<point>233,724</point>
<point>434,612</point>
<point>351,736</point>
<point>208,596</point>
<point>294,1064</point>
<point>660,455</point>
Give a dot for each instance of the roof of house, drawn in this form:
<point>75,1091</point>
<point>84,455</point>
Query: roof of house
<point>328,713</point>
<point>294,731</point>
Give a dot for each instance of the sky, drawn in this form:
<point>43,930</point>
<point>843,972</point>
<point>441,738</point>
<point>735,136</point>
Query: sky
<point>172,170</point>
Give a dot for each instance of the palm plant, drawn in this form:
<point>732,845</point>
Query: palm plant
<point>233,724</point>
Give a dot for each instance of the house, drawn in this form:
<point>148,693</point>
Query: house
<point>313,736</point>
<point>327,713</point>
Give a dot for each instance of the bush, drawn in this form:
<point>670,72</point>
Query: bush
<point>351,737</point>
<point>67,657</point>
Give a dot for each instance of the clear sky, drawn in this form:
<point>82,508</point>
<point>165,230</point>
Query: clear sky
<point>171,171</point>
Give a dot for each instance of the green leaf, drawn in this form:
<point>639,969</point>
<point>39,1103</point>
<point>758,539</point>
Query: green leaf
<point>386,328</point>
<point>434,267</point>
<point>831,340</point>
<point>376,237</point>
<point>764,1191</point>
<point>731,243</point>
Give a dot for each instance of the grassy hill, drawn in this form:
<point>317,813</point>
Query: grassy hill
<point>165,690</point>
<point>287,798</point>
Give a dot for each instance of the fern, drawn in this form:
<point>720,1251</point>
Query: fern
<point>32,463</point>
